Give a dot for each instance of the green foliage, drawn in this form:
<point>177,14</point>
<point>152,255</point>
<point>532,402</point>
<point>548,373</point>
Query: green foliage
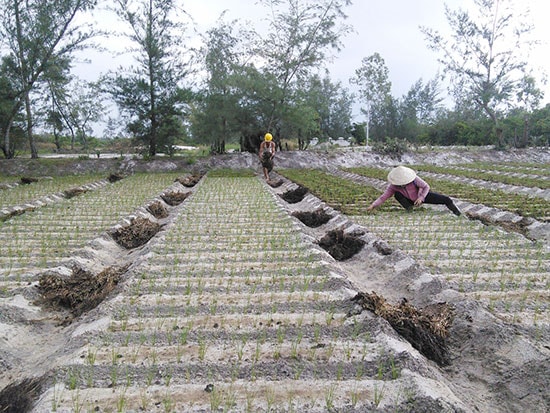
<point>391,146</point>
<point>492,174</point>
<point>301,35</point>
<point>216,115</point>
<point>148,94</point>
<point>454,130</point>
<point>330,104</point>
<point>495,76</point>
<point>357,130</point>
<point>37,34</point>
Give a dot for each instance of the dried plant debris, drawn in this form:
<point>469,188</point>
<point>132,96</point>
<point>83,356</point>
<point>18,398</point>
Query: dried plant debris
<point>513,226</point>
<point>79,293</point>
<point>313,219</point>
<point>295,195</point>
<point>426,329</point>
<point>115,177</point>
<point>275,184</point>
<point>20,397</point>
<point>71,193</point>
<point>14,213</point>
<point>138,233</point>
<point>190,180</point>
<point>26,180</point>
<point>158,210</point>
<point>175,198</point>
<point>341,246</point>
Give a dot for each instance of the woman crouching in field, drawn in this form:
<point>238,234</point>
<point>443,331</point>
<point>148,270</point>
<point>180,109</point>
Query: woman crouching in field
<point>410,191</point>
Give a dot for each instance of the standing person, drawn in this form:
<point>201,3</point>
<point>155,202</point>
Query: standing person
<point>266,153</point>
<point>410,191</point>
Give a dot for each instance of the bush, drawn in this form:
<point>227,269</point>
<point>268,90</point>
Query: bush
<point>393,147</point>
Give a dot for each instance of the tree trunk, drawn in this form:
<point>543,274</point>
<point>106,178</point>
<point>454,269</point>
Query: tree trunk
<point>153,117</point>
<point>525,137</point>
<point>7,147</point>
<point>30,134</point>
<point>500,137</point>
<point>56,140</point>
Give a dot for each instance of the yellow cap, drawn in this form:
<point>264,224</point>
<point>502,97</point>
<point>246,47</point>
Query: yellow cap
<point>268,137</point>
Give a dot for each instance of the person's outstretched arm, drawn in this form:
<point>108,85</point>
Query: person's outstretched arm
<point>390,190</point>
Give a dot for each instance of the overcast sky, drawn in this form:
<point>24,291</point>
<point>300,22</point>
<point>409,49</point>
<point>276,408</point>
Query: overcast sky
<point>389,27</point>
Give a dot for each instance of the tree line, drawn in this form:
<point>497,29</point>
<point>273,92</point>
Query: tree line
<point>241,83</point>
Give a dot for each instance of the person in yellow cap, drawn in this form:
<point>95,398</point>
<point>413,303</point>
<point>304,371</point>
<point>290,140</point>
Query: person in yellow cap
<point>266,154</point>
<point>410,191</point>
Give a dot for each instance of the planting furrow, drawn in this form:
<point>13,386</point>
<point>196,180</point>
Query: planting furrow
<point>253,322</point>
<point>236,284</point>
<point>179,331</point>
<point>305,297</point>
<point>149,323</point>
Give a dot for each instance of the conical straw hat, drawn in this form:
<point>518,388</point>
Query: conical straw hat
<point>401,175</point>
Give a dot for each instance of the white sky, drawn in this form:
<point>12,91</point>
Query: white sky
<point>389,27</point>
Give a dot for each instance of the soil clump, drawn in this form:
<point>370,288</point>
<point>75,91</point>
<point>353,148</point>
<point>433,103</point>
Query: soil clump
<point>19,397</point>
<point>26,180</point>
<point>341,246</point>
<point>295,195</point>
<point>114,177</point>
<point>275,184</point>
<point>313,219</point>
<point>71,193</point>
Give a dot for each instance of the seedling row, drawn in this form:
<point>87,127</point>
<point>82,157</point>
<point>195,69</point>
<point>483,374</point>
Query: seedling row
<point>41,239</point>
<point>22,193</point>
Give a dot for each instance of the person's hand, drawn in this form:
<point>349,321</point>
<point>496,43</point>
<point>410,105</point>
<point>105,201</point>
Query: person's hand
<point>418,202</point>
<point>370,208</point>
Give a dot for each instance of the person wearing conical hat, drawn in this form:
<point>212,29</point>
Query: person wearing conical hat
<point>410,190</point>
<point>266,153</point>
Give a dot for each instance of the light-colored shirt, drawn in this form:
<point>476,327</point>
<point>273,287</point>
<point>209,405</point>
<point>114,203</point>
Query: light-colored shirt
<point>417,189</point>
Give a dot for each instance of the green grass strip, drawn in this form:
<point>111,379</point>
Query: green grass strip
<point>341,194</point>
<point>541,169</point>
<point>487,176</point>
